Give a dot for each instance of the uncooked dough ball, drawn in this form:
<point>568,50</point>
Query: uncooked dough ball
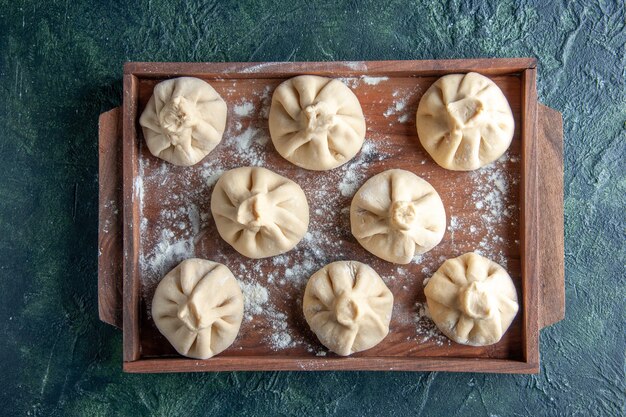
<point>464,121</point>
<point>198,307</point>
<point>258,212</point>
<point>184,120</point>
<point>472,300</point>
<point>316,122</point>
<point>396,215</point>
<point>348,307</point>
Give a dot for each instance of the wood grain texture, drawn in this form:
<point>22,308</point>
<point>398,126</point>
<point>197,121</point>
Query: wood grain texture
<point>130,148</point>
<point>309,363</point>
<point>518,349</point>
<point>529,218</point>
<point>110,218</point>
<point>550,260</point>
<point>243,70</point>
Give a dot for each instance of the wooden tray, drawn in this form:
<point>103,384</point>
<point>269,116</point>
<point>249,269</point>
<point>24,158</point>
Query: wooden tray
<point>153,214</point>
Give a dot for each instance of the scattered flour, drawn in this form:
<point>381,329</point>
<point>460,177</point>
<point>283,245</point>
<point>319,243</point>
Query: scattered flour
<point>428,271</point>
<point>373,80</point>
<point>138,190</point>
<point>244,109</point>
<point>280,338</point>
<point>168,252</point>
<point>349,184</point>
<point>194,218</point>
<point>248,146</point>
<point>255,297</point>
<point>353,173</point>
<point>210,175</point>
<point>453,227</point>
<point>112,206</point>
<point>280,260</point>
<point>266,102</point>
<point>260,311</point>
<point>491,198</point>
<point>356,65</point>
<point>352,82</point>
<point>425,328</point>
<point>398,105</point>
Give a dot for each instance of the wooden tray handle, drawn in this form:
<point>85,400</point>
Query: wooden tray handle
<point>110,244</point>
<point>551,268</point>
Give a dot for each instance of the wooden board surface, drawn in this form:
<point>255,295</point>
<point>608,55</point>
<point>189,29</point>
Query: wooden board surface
<point>110,244</point>
<point>551,239</point>
<point>389,106</point>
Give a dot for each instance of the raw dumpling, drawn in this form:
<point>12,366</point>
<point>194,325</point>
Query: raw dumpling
<point>184,120</point>
<point>348,307</point>
<point>316,123</point>
<point>198,307</point>
<point>472,300</point>
<point>396,215</point>
<point>464,121</point>
<point>258,212</point>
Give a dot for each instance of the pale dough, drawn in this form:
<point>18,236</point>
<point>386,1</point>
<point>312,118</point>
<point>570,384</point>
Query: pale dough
<point>316,123</point>
<point>184,120</point>
<point>472,300</point>
<point>198,307</point>
<point>396,215</point>
<point>348,307</point>
<point>258,212</point>
<point>464,121</point>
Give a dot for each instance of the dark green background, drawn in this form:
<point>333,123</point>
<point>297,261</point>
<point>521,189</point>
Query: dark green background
<point>61,65</point>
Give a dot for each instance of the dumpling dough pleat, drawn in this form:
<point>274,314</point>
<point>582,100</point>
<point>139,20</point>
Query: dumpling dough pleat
<point>258,212</point>
<point>198,307</point>
<point>464,121</point>
<point>183,121</point>
<point>396,215</point>
<point>472,300</point>
<point>348,307</point>
<point>316,123</point>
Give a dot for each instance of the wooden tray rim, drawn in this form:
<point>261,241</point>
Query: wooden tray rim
<point>526,67</point>
<point>421,68</point>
